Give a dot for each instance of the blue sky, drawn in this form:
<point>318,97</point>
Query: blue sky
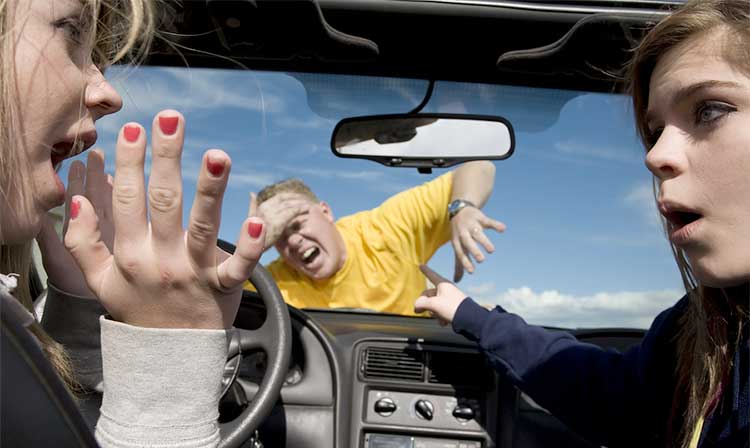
<point>583,245</point>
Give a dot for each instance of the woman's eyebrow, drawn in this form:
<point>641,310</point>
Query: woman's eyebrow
<point>690,90</point>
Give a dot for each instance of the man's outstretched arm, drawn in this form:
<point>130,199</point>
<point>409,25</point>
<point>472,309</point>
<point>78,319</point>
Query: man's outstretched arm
<point>472,183</point>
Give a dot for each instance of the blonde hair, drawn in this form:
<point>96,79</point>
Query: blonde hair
<point>123,31</point>
<point>286,186</point>
<point>711,326</point>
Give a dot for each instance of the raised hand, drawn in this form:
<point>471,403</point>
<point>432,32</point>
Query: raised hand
<point>277,212</point>
<point>93,182</point>
<point>467,234</point>
<point>160,275</point>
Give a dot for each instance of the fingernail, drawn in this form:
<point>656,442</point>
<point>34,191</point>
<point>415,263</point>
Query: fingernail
<point>131,133</point>
<point>77,170</point>
<point>168,125</point>
<point>75,207</point>
<point>254,229</point>
<point>215,167</point>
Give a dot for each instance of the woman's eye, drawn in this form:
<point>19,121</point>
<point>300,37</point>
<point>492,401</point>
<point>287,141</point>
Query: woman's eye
<point>711,111</point>
<point>73,29</point>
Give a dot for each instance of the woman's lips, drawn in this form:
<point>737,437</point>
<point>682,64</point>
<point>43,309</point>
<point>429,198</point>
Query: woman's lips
<point>683,226</point>
<point>73,147</point>
<point>683,221</point>
<point>685,234</point>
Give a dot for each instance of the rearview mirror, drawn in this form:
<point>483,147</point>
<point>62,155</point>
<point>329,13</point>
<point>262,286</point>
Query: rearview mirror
<point>424,140</point>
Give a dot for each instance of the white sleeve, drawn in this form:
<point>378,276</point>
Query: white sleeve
<point>161,386</point>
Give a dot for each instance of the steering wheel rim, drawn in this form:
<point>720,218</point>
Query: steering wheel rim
<point>275,338</point>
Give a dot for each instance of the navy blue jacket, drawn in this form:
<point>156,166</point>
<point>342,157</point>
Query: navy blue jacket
<point>610,398</point>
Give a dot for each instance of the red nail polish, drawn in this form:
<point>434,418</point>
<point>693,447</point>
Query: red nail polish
<point>254,229</point>
<point>216,168</point>
<point>168,125</point>
<point>131,133</point>
<point>75,207</point>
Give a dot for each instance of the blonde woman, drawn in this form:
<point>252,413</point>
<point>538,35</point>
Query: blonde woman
<point>687,383</point>
<point>169,294</point>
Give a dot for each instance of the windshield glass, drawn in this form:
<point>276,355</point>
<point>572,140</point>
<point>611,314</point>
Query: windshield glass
<point>583,245</point>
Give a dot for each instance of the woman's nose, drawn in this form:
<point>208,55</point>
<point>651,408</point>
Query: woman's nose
<point>101,98</point>
<point>666,159</point>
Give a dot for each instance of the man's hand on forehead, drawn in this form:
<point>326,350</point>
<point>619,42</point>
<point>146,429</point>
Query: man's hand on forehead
<point>278,212</point>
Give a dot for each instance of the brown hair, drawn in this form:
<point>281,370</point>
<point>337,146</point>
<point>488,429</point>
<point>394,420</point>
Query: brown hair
<point>710,328</point>
<point>286,186</point>
<point>122,31</point>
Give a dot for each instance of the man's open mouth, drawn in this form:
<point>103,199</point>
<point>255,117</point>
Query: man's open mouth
<point>310,255</point>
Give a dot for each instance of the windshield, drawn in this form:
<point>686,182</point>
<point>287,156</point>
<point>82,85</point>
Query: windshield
<point>583,245</point>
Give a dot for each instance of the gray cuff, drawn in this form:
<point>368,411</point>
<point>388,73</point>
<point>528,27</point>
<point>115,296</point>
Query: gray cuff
<point>161,386</point>
<point>73,321</point>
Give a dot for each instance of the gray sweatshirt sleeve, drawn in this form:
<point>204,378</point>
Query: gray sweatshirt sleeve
<point>161,386</point>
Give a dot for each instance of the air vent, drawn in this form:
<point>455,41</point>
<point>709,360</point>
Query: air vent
<point>458,369</point>
<point>393,363</point>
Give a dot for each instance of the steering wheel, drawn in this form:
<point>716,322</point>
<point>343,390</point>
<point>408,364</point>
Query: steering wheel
<point>275,338</point>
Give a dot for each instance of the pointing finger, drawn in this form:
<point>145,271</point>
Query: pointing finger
<point>433,276</point>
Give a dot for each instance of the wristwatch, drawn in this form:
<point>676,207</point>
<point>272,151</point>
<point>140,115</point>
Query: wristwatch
<point>456,206</point>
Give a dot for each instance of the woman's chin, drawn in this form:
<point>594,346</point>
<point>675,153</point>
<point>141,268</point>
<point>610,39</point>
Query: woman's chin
<point>21,229</point>
<point>720,278</point>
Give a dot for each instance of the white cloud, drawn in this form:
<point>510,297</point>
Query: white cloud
<point>147,91</point>
<point>641,198</point>
<point>481,289</point>
<point>311,122</point>
<point>237,179</point>
<point>191,89</point>
<point>630,309</point>
<point>365,175</point>
<point>256,180</point>
<point>627,155</point>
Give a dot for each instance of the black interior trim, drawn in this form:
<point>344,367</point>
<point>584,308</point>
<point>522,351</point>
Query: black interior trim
<point>32,392</point>
<point>410,39</point>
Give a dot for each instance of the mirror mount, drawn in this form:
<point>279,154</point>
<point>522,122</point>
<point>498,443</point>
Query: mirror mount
<point>425,100</point>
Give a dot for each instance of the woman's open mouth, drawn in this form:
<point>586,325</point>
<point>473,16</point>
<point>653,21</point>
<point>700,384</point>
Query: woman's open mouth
<point>72,147</point>
<point>64,150</point>
<point>682,225</point>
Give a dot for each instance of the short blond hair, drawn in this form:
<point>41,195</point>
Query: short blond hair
<point>286,186</point>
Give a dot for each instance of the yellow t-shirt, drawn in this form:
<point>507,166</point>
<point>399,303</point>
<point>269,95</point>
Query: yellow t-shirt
<point>384,248</point>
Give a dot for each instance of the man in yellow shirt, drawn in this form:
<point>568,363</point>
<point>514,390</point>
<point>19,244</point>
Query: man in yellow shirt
<point>371,259</point>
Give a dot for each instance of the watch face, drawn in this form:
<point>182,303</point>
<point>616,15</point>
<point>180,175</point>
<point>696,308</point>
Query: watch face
<point>455,206</point>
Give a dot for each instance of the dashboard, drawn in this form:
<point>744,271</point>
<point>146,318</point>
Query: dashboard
<point>385,381</point>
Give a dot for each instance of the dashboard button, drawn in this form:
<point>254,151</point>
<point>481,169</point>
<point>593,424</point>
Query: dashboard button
<point>425,409</point>
<point>385,407</point>
<point>463,413</point>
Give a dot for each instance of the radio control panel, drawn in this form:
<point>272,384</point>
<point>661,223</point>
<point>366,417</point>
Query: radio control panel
<point>423,410</point>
